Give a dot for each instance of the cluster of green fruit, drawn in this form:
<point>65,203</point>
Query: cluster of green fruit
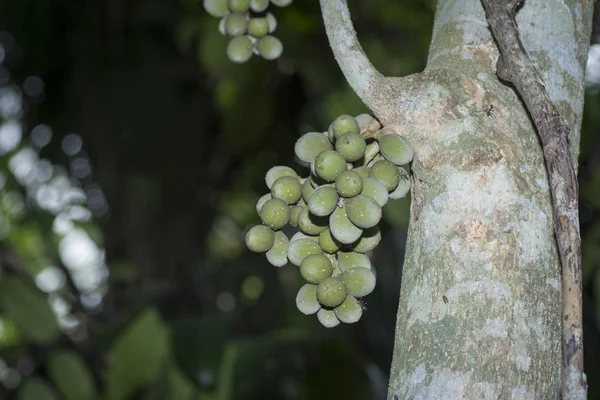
<point>355,167</point>
<point>249,26</point>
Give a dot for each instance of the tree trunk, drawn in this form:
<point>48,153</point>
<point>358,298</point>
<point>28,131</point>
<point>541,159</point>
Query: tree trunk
<point>480,306</point>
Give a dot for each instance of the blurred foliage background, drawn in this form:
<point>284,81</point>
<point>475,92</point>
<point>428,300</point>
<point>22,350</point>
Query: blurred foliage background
<point>132,153</point>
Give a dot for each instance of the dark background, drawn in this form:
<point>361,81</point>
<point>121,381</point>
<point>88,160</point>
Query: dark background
<point>132,153</point>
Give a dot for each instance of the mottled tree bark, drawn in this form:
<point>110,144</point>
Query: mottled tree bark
<point>481,229</point>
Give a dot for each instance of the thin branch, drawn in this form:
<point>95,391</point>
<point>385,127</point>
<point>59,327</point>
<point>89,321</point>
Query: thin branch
<point>364,79</point>
<point>515,66</point>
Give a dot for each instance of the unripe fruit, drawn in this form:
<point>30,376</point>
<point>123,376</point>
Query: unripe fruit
<point>376,190</point>
<point>236,24</point>
<point>216,8</point>
<point>294,212</point>
<point>349,183</point>
<point>363,171</point>
<point>368,241</point>
<point>342,229</point>
<point>300,235</point>
<point>396,149</point>
<point>272,22</point>
<point>260,238</point>
<point>329,164</point>
<point>277,172</point>
<point>269,47</point>
<point>259,6</point>
<point>275,213</point>
<point>351,259</point>
<point>307,189</point>
<point>311,224</point>
<point>343,124</point>
<point>349,311</point>
<point>287,189</point>
<point>302,248</point>
<point>281,3</point>
<point>308,146</point>
<point>358,281</point>
<point>239,49</point>
<point>306,299</point>
<point>364,119</point>
<point>262,201</point>
<point>351,146</point>
<point>328,242</point>
<point>403,186</point>
<point>240,6</point>
<point>363,211</point>
<point>323,201</point>
<point>387,173</point>
<point>331,292</point>
<point>222,26</point>
<point>327,318</point>
<point>258,27</point>
<point>316,268</point>
<point>277,255</point>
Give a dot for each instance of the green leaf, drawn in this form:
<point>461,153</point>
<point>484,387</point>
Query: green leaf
<point>71,375</point>
<point>137,356</point>
<point>35,388</point>
<point>180,388</point>
<point>9,333</point>
<point>30,311</point>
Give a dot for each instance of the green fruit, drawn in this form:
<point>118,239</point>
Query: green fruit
<point>309,145</point>
<point>216,8</point>
<point>336,269</point>
<point>328,243</point>
<point>240,6</point>
<point>294,212</point>
<point>403,187</point>
<point>328,165</point>
<point>327,318</point>
<point>351,259</point>
<point>239,49</point>
<point>306,299</point>
<point>316,268</point>
<point>368,241</point>
<point>363,171</point>
<point>376,190</point>
<point>287,189</point>
<point>344,124</point>
<point>277,172</point>
<point>222,26</point>
<point>272,21</point>
<point>262,201</point>
<point>277,256</point>
<point>300,249</point>
<point>269,47</point>
<point>307,189</point>
<point>236,24</point>
<point>342,229</point>
<point>323,201</point>
<point>387,173</point>
<point>275,213</point>
<point>363,211</point>
<point>258,27</point>
<point>358,281</point>
<point>331,292</point>
<point>396,149</point>
<point>260,238</point>
<point>364,119</point>
<point>311,224</point>
<point>351,146</point>
<point>349,311</point>
<point>300,235</point>
<point>259,6</point>
<point>349,183</point>
<point>281,3</point>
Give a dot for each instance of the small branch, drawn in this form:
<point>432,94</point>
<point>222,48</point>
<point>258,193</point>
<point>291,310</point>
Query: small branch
<point>515,66</point>
<point>364,79</point>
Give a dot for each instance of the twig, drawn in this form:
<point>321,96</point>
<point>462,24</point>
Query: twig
<point>515,66</point>
<point>358,70</point>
